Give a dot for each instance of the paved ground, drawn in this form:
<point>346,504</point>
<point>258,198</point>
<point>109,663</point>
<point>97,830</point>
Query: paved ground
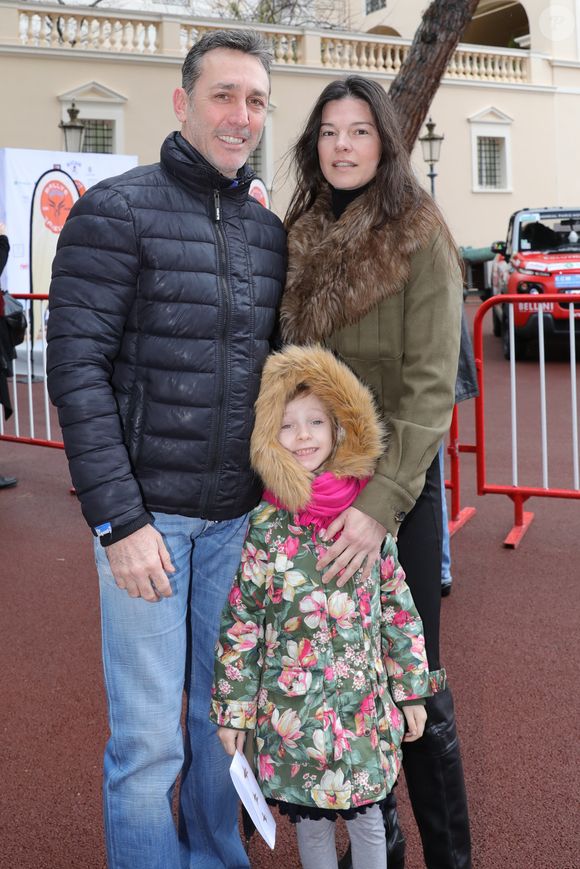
<point>509,641</point>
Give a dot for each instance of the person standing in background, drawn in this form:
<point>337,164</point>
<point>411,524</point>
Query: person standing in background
<point>465,387</point>
<point>6,352</point>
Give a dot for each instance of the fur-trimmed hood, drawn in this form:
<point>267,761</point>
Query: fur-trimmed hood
<point>339,270</point>
<point>359,446</point>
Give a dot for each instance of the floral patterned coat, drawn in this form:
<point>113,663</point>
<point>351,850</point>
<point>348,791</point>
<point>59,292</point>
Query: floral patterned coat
<point>316,671</point>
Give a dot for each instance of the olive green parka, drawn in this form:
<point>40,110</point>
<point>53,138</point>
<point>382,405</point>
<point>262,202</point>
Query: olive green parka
<point>388,301</point>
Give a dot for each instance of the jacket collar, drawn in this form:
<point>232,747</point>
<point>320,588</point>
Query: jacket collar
<point>339,270</point>
<point>193,171</point>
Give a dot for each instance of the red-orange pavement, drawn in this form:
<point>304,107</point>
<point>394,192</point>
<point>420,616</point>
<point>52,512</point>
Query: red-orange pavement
<point>510,645</point>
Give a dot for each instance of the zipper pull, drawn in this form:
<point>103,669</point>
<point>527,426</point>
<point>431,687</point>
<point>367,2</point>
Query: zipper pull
<point>216,205</point>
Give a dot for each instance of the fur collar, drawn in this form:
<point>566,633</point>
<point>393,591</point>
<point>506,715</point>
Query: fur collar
<point>349,400</point>
<point>339,270</point>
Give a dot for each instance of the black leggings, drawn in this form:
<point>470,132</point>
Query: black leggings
<point>419,544</point>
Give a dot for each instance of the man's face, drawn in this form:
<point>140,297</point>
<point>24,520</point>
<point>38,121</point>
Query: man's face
<point>224,116</point>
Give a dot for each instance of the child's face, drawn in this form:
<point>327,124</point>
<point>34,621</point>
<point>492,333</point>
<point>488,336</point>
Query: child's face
<point>307,431</point>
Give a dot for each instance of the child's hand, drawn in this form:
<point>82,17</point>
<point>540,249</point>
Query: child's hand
<point>232,739</point>
<point>416,716</point>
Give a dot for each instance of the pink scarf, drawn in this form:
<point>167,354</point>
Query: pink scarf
<point>330,496</point>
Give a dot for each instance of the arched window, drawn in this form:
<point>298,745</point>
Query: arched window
<point>383,30</point>
<point>502,23</point>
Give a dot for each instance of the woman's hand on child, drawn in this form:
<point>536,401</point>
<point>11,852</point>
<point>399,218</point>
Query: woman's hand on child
<point>416,716</point>
<point>360,541</point>
<point>232,739</point>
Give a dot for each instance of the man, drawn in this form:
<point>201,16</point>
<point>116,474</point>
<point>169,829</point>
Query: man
<point>163,300</point>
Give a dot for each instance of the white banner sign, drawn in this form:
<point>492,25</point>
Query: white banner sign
<point>20,169</point>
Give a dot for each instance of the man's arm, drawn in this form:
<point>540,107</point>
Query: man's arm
<point>93,289</point>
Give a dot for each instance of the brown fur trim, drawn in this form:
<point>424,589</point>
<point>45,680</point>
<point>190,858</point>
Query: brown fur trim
<point>340,270</point>
<point>346,397</point>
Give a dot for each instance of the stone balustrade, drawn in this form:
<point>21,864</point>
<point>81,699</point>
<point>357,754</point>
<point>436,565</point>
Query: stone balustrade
<point>88,30</point>
<point>286,46</point>
<point>104,30</point>
<point>489,65</point>
<point>362,53</point>
<point>387,54</point>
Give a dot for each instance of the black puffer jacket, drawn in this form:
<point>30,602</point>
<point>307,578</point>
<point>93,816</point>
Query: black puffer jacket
<point>162,304</point>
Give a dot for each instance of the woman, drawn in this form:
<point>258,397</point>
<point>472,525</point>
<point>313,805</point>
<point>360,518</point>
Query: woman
<point>374,275</point>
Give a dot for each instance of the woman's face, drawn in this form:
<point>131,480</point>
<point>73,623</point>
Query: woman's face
<point>349,148</point>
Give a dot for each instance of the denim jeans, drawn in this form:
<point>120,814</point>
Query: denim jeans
<point>151,652</point>
<point>445,549</point>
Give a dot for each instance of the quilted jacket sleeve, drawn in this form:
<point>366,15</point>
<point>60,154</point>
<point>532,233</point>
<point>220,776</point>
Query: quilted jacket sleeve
<point>402,632</point>
<point>239,652</point>
<point>94,283</point>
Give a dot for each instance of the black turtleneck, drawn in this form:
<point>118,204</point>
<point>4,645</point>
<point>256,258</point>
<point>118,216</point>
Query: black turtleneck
<point>342,198</point>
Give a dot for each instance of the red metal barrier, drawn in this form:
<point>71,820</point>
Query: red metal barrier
<point>518,494</point>
<point>458,516</point>
<point>28,383</point>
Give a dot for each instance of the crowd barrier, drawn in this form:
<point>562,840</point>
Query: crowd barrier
<point>518,493</point>
<point>457,515</point>
<point>33,415</point>
<point>34,418</point>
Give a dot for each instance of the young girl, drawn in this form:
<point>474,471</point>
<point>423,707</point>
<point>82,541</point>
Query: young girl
<point>319,673</point>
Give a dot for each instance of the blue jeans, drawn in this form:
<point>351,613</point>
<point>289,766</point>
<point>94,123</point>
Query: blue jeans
<point>151,652</point>
<point>445,547</point>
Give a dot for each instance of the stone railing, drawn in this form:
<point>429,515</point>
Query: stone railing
<point>285,44</point>
<point>387,55</point>
<point>88,30</point>
<point>106,30</point>
<point>489,65</point>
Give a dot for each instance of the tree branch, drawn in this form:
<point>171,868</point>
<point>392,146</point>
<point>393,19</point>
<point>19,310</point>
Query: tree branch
<point>419,78</point>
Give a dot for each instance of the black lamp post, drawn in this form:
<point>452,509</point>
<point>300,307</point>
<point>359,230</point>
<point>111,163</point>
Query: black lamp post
<point>74,130</point>
<point>431,145</point>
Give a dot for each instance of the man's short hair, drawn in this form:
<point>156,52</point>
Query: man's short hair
<point>248,41</point>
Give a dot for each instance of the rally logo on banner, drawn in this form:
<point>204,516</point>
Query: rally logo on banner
<point>54,195</point>
<point>55,203</point>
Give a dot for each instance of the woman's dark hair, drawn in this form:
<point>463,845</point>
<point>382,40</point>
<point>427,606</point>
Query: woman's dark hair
<point>396,193</point>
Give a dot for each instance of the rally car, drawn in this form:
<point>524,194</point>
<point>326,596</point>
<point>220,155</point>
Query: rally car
<point>541,254</point>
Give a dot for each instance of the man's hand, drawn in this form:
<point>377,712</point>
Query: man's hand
<point>140,564</point>
<point>232,739</point>
<point>416,716</point>
<point>361,539</point>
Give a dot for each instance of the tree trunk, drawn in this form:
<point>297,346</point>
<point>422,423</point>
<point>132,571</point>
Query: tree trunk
<point>417,82</point>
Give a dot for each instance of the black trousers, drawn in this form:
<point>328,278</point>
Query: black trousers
<point>419,543</point>
<point>432,765</point>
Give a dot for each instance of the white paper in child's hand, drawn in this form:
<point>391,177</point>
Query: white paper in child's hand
<point>253,799</point>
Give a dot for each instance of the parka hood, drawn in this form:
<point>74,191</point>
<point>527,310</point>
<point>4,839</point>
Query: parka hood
<point>361,442</point>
